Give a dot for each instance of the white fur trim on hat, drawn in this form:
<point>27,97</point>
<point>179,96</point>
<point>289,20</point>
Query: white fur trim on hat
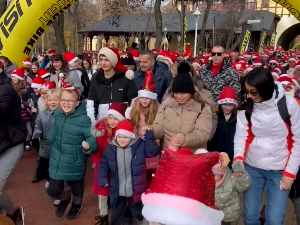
<point>201,151</point>
<point>27,63</point>
<point>115,114</point>
<point>46,75</point>
<point>227,100</point>
<point>257,64</point>
<point>73,60</point>
<point>273,61</point>
<point>147,94</point>
<point>170,61</point>
<point>112,57</point>
<point>125,133</point>
<point>249,69</point>
<point>15,75</point>
<point>36,86</point>
<point>275,75</point>
<point>160,57</point>
<point>136,58</point>
<point>129,74</point>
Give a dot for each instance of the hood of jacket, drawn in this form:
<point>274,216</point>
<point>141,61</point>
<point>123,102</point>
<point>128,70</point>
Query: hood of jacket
<point>80,110</point>
<point>277,95</point>
<point>226,65</point>
<point>101,79</point>
<point>191,105</point>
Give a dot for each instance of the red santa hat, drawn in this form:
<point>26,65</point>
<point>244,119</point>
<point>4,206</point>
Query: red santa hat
<point>273,60</point>
<point>247,54</point>
<point>148,91</point>
<point>114,57</point>
<point>27,62</point>
<point>68,86</point>
<point>241,59</point>
<point>188,52</point>
<point>265,54</point>
<point>43,73</point>
<point>182,190</point>
<point>257,62</point>
<point>238,66</point>
<point>50,85</point>
<point>51,52</point>
<point>18,73</point>
<point>162,54</point>
<point>249,68</point>
<point>271,49</point>
<point>86,57</point>
<point>297,65</point>
<point>170,57</point>
<point>196,62</point>
<point>125,128</point>
<point>275,73</point>
<point>228,95</point>
<point>293,59</point>
<point>117,110</point>
<point>37,83</point>
<point>155,50</point>
<point>234,53</point>
<point>279,69</point>
<point>70,57</point>
<point>135,54</point>
<point>285,78</point>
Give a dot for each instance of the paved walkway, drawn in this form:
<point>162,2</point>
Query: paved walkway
<point>38,206</point>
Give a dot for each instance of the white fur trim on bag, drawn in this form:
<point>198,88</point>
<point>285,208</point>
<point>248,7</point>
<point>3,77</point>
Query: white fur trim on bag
<point>15,75</point>
<point>112,57</point>
<point>226,101</point>
<point>147,94</point>
<point>125,133</point>
<point>129,74</point>
<point>115,114</point>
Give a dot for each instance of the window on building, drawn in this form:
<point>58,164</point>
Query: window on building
<point>265,3</point>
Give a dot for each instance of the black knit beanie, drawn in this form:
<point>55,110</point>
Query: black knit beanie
<point>183,83</point>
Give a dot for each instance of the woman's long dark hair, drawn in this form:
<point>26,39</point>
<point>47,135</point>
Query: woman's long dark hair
<point>89,62</point>
<point>59,57</point>
<point>261,79</point>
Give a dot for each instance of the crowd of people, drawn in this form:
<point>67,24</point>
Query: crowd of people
<point>163,130</point>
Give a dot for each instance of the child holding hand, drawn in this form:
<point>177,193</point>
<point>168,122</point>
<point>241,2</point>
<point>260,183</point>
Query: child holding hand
<point>125,159</point>
<point>104,131</point>
<point>71,142</point>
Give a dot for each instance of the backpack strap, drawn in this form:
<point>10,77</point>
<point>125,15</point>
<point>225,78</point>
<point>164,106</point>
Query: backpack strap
<point>283,111</point>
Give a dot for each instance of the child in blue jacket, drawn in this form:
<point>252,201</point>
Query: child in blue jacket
<point>125,160</point>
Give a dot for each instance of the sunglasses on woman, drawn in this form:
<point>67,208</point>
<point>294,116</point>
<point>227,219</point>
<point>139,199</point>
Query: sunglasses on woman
<point>273,64</point>
<point>216,53</point>
<point>252,92</point>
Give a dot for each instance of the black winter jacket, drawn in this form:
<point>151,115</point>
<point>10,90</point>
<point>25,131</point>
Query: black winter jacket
<point>104,91</point>
<point>12,129</point>
<point>4,78</point>
<point>224,136</point>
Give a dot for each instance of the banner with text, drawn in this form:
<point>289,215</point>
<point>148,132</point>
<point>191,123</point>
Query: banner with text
<point>262,40</point>
<point>245,37</point>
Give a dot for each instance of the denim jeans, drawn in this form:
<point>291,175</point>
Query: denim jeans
<point>276,199</point>
<point>296,203</point>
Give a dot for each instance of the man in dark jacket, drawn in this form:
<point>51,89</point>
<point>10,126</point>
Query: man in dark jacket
<point>219,73</point>
<point>12,137</point>
<point>8,65</point>
<point>112,83</point>
<point>162,75</point>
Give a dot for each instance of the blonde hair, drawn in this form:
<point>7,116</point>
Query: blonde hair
<point>173,69</point>
<point>150,115</point>
<point>52,93</point>
<point>72,91</point>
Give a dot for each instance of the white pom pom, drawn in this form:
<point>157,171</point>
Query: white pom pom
<point>129,74</point>
<point>61,75</point>
<point>201,151</point>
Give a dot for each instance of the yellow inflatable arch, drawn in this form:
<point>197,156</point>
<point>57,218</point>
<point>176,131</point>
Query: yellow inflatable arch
<point>25,21</point>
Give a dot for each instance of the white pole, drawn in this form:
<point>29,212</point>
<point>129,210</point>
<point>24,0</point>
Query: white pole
<point>43,46</point>
<point>195,43</point>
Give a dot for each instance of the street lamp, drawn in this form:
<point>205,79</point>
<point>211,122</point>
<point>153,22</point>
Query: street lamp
<point>196,15</point>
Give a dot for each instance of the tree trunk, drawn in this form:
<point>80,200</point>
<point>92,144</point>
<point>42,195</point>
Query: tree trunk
<point>236,43</point>
<point>142,42</point>
<point>235,24</point>
<point>58,25</point>
<point>182,16</point>
<point>3,5</point>
<point>158,20</point>
<point>209,3</point>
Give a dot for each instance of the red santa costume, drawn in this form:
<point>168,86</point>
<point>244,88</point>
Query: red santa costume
<point>183,189</point>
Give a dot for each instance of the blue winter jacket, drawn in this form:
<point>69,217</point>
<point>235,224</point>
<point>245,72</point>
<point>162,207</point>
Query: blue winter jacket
<point>141,150</point>
<point>162,79</point>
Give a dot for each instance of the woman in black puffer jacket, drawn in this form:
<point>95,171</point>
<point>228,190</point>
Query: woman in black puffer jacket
<point>12,137</point>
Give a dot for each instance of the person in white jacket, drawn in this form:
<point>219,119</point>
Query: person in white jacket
<point>267,147</point>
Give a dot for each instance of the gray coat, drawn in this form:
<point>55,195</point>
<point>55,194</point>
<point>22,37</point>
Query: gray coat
<point>43,124</point>
<point>72,78</point>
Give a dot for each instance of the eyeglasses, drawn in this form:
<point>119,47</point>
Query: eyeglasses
<point>252,92</point>
<point>287,87</point>
<point>216,53</point>
<point>69,102</point>
<point>273,64</point>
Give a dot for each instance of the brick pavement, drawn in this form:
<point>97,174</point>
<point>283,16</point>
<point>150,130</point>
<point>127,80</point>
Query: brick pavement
<point>38,206</point>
